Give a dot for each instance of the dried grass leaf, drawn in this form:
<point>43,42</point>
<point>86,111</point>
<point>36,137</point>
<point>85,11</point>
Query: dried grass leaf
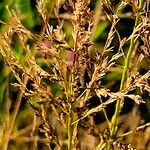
<point>137,98</point>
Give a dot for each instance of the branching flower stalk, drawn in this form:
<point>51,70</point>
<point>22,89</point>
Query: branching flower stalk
<point>81,39</point>
<point>114,121</point>
<point>63,77</point>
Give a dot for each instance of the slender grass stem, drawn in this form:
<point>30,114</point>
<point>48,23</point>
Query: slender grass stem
<point>8,130</point>
<point>70,128</point>
<point>137,129</point>
<point>114,121</point>
<point>71,114</point>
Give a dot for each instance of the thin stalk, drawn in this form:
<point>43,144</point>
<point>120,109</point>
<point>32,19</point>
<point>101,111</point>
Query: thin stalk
<point>8,130</point>
<point>71,117</point>
<point>70,128</point>
<point>114,121</point>
<point>137,129</point>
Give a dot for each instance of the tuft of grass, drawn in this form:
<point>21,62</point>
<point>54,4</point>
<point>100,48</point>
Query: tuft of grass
<point>63,77</point>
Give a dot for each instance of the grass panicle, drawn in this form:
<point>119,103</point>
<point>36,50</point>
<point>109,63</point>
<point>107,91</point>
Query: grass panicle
<point>69,83</point>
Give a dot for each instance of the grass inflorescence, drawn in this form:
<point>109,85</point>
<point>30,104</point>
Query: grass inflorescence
<point>81,80</point>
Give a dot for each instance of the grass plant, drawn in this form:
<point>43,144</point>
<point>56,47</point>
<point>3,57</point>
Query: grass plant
<point>76,76</point>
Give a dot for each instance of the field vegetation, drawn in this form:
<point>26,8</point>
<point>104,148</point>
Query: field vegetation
<point>74,75</point>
